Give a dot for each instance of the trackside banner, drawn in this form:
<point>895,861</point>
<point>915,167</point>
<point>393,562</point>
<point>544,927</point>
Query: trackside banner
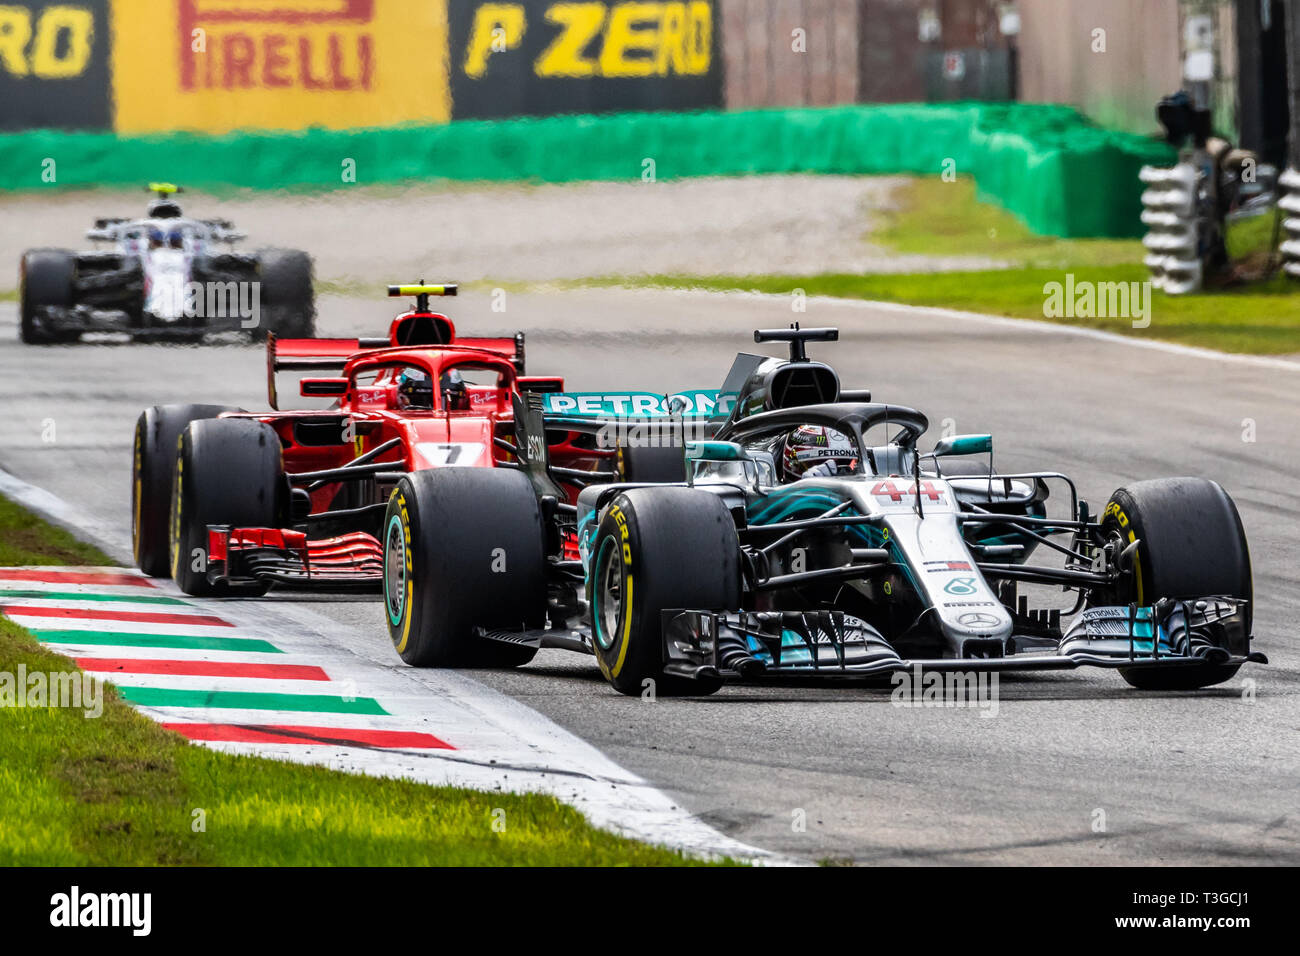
<point>542,57</point>
<point>54,65</point>
<point>220,65</point>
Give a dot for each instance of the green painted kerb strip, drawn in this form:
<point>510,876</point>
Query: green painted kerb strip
<point>78,596</point>
<point>1047,164</point>
<point>195,643</point>
<point>249,700</point>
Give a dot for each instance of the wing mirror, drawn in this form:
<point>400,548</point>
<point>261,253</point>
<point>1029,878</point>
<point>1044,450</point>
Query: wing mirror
<point>715,450</point>
<point>964,445</point>
<point>316,387</point>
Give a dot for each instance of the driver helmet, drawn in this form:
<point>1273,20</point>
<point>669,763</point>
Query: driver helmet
<point>815,451</point>
<point>455,396</point>
<point>164,209</point>
<point>414,390</point>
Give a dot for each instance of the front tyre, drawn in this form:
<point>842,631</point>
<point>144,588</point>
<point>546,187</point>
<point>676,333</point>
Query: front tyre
<point>1191,545</point>
<point>228,471</point>
<point>153,467</point>
<point>463,550</point>
<point>46,278</point>
<point>657,549</point>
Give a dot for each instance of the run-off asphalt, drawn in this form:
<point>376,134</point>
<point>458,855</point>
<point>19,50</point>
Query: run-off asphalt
<point>1186,778</point>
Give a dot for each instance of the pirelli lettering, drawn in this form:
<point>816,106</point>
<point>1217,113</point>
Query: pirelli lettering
<point>278,64</point>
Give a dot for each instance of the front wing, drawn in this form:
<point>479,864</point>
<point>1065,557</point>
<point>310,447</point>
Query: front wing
<point>705,644</point>
<point>239,556</point>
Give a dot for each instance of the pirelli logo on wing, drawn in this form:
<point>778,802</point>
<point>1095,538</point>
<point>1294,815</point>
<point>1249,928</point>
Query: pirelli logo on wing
<point>279,64</point>
<point>537,57</point>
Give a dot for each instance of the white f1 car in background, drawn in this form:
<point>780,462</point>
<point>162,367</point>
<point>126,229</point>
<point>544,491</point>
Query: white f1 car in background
<point>164,277</point>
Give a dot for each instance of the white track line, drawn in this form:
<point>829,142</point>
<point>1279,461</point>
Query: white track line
<point>173,654</point>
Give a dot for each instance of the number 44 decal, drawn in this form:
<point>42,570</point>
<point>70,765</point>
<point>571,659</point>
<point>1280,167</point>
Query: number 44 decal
<point>887,489</point>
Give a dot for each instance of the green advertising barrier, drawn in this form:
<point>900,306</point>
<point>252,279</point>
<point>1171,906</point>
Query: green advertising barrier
<point>1046,164</point>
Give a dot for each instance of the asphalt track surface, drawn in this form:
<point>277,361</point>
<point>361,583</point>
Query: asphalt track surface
<point>1209,777</point>
<point>780,225</point>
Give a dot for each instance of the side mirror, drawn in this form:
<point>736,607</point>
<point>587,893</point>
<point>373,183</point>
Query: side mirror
<point>540,383</point>
<point>715,450</point>
<point>964,445</point>
<point>317,387</point>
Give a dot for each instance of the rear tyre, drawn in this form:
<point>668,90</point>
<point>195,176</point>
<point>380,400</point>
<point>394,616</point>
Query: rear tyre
<point>663,463</point>
<point>153,472</point>
<point>1191,545</point>
<point>463,549</point>
<point>658,548</point>
<point>228,471</point>
<point>46,278</point>
<point>288,299</point>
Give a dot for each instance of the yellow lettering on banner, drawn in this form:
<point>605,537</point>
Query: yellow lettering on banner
<point>75,23</point>
<point>699,38</point>
<point>279,64</point>
<point>15,31</point>
<point>672,44</point>
<point>636,39</point>
<point>629,47</point>
<point>488,19</point>
<point>579,23</point>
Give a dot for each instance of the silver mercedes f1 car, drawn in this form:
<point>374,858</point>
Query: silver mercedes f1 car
<point>793,528</point>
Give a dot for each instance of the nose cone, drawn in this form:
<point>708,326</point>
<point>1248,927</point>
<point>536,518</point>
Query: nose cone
<point>977,631</point>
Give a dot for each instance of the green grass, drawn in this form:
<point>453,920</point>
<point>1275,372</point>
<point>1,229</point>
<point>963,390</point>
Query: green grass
<point>1250,241</point>
<point>351,287</point>
<point>119,790</point>
<point>1262,319</point>
<point>937,218</point>
<point>26,539</point>
<point>932,217</point>
<point>8,295</point>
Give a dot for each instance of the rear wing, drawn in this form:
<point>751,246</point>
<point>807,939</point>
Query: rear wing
<point>331,355</point>
<point>310,355</point>
<point>419,328</point>
<point>316,355</point>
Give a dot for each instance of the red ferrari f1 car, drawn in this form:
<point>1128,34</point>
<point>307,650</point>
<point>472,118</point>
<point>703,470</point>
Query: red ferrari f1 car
<point>230,502</point>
